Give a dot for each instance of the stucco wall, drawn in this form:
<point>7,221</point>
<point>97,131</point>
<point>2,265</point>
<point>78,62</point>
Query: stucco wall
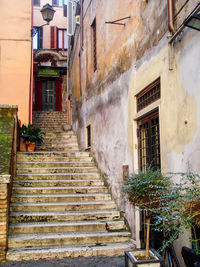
<point>108,100</point>
<point>15,55</point>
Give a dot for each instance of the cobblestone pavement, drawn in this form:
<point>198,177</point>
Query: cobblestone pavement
<point>70,262</point>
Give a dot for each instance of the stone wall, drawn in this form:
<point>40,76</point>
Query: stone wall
<point>7,122</point>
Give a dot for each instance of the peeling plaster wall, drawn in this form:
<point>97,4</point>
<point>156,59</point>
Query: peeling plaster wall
<point>110,106</point>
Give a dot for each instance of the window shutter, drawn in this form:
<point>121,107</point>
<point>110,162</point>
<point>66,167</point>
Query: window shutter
<point>70,18</point>
<point>58,95</point>
<point>65,10</point>
<point>53,37</point>
<point>40,41</point>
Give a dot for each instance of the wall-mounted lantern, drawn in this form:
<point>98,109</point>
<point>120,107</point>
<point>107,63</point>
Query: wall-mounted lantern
<point>47,15</point>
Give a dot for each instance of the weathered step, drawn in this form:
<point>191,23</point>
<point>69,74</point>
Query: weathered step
<point>19,198</point>
<point>56,170</point>
<point>57,176</point>
<point>54,227</point>
<point>60,190</point>
<point>54,164</point>
<point>55,133</point>
<point>22,155</point>
<point>52,142</point>
<point>68,136</point>
<point>65,206</point>
<point>18,217</point>
<point>49,239</point>
<point>53,159</point>
<point>57,148</point>
<point>91,250</point>
<point>49,183</point>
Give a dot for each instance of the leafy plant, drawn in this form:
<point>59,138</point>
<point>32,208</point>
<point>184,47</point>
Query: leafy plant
<point>32,133</point>
<point>183,210</point>
<point>149,191</point>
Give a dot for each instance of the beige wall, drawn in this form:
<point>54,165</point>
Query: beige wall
<point>15,55</point>
<point>129,59</point>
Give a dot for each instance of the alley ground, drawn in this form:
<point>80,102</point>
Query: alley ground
<point>70,262</point>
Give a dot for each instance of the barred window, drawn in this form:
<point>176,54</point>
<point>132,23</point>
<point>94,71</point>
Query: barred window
<point>147,96</point>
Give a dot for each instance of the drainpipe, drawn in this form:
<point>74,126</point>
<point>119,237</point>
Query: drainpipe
<point>31,72</point>
<point>171,16</point>
<point>171,30</point>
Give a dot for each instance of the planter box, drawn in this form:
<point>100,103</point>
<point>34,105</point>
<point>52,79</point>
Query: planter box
<point>131,261</point>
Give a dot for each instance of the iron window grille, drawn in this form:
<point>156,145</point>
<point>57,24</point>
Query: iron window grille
<point>149,142</point>
<point>94,45</point>
<point>148,95</point>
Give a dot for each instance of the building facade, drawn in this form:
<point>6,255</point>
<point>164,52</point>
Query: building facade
<point>15,55</point>
<point>50,57</point>
<point>135,91</point>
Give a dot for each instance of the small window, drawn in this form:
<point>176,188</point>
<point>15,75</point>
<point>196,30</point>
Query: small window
<point>36,2</point>
<point>59,3</point>
<point>89,136</point>
<point>38,38</point>
<point>147,96</point>
<point>94,45</point>
<point>62,39</point>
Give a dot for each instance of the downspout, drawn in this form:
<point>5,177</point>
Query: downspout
<point>171,16</point>
<point>31,72</point>
<point>171,30</point>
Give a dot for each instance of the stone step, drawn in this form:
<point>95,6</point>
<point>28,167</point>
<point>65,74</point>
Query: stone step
<point>58,148</point>
<point>57,131</point>
<point>54,164</point>
<point>65,206</point>
<point>73,226</point>
<point>59,190</point>
<point>53,143</point>
<point>49,183</point>
<point>57,176</point>
<point>90,250</point>
<point>19,217</point>
<point>39,170</point>
<point>22,155</point>
<point>68,160</point>
<point>55,239</point>
<point>65,140</point>
<point>39,198</point>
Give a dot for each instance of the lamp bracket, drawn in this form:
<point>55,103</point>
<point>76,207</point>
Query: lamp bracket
<point>34,31</point>
<point>116,22</point>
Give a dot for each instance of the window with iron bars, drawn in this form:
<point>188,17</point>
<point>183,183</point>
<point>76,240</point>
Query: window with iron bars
<point>147,96</point>
<point>94,45</point>
<point>149,142</point>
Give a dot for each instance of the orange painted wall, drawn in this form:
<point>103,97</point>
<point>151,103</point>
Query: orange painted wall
<point>15,55</point>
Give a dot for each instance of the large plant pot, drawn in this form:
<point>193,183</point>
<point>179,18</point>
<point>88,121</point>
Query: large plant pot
<point>132,261</point>
<point>30,146</point>
<point>22,144</point>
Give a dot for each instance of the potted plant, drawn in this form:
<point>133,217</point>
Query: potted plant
<point>149,191</point>
<point>181,213</point>
<point>22,145</point>
<point>31,135</point>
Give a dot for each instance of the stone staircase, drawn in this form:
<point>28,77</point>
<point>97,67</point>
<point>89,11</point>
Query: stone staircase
<point>60,206</point>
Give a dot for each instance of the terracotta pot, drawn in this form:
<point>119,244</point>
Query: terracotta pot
<point>22,145</point>
<point>30,146</point>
